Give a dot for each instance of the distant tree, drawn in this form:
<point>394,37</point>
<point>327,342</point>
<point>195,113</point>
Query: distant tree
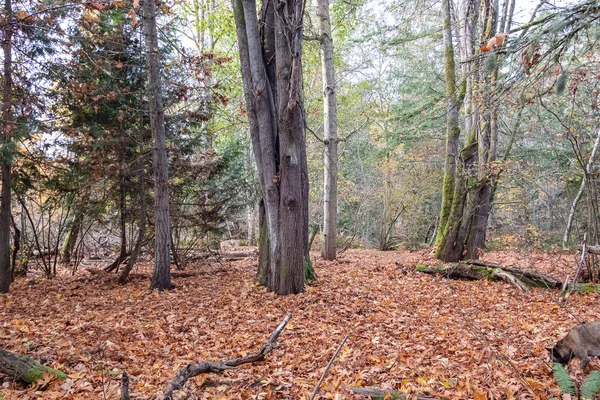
<point>330,137</point>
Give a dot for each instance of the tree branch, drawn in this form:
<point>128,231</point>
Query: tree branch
<point>204,367</point>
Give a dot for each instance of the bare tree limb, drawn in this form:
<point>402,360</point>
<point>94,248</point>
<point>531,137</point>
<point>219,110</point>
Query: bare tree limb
<point>204,367</point>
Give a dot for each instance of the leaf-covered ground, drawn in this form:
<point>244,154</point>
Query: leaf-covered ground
<point>408,331</point>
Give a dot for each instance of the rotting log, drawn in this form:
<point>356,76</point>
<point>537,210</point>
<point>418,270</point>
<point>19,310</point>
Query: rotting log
<point>479,270</point>
<point>25,369</point>
<point>379,393</point>
<point>204,367</point>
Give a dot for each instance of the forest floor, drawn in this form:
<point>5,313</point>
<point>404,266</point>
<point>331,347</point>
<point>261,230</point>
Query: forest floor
<point>407,331</point>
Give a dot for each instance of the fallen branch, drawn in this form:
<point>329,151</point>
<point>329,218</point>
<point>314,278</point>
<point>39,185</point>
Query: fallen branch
<point>24,368</point>
<point>379,393</point>
<point>530,276</point>
<point>508,277</point>
<point>327,368</point>
<point>590,249</point>
<point>204,367</point>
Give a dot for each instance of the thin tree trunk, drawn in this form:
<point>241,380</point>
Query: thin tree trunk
<point>7,127</point>
<point>16,247</point>
<point>161,277</point>
<point>123,231</point>
<point>330,133</point>
<point>586,172</point>
<point>452,127</point>
<point>71,238</point>
<point>251,221</point>
<point>141,231</point>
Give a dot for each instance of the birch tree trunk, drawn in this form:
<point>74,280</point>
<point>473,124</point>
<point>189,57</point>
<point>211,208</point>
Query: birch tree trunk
<point>7,128</point>
<point>271,72</point>
<point>161,277</point>
<point>330,133</point>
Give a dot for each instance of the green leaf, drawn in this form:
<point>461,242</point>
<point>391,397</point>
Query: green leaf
<point>565,383</point>
<point>590,387</point>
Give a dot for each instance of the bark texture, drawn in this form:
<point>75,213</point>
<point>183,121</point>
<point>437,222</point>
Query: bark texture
<point>5,157</point>
<point>270,58</point>
<point>330,161</point>
<point>161,277</point>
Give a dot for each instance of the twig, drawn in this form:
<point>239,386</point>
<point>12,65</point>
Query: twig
<point>327,368</point>
<point>192,370</point>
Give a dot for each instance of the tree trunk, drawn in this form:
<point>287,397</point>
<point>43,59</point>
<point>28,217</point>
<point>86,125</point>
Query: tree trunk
<point>251,221</point>
<point>161,277</point>
<point>330,161</point>
<point>452,127</point>
<point>271,71</point>
<point>7,127</point>
<point>141,231</point>
<point>16,248</point>
<point>123,231</point>
<point>24,368</point>
<point>488,142</point>
<point>71,238</point>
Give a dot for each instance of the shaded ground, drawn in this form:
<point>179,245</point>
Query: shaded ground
<point>408,331</point>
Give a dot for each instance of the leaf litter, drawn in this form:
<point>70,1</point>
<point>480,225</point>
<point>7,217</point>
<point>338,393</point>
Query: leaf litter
<point>408,331</point>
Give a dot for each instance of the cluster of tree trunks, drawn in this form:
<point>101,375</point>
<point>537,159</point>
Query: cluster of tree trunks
<point>469,176</point>
<point>270,59</point>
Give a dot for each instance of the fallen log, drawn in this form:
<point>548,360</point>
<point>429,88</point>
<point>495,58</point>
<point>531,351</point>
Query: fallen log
<point>531,276</point>
<point>590,249</point>
<point>25,369</point>
<point>479,270</point>
<point>379,393</point>
<point>204,367</point>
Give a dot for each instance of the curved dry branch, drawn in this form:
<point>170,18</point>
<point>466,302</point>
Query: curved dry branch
<point>204,367</point>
